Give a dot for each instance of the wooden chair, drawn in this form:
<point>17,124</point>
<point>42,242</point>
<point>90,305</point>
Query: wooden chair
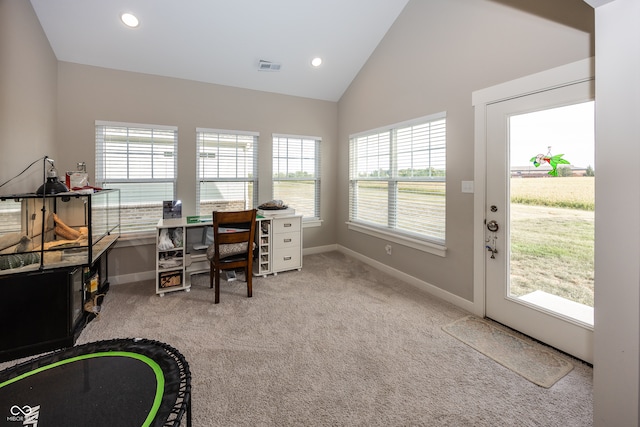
<point>232,247</point>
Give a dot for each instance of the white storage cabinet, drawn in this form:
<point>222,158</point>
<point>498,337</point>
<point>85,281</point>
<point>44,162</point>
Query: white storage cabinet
<point>279,242</point>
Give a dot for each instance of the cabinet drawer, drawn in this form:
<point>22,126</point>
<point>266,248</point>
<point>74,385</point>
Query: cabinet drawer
<point>287,260</point>
<point>286,240</point>
<point>285,225</point>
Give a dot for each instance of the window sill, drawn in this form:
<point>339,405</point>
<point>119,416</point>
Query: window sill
<point>420,245</point>
<point>136,239</point>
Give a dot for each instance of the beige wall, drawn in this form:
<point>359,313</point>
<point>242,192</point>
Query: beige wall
<point>27,97</point>
<point>436,54</point>
<point>87,94</point>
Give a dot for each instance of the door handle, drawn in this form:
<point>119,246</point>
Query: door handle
<point>492,226</point>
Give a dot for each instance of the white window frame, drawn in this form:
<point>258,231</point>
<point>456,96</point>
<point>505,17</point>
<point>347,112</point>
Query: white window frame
<point>291,160</point>
<point>144,215</point>
<point>385,140</point>
<point>243,173</point>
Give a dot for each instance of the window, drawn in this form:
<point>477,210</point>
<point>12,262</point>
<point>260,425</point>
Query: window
<point>296,173</point>
<point>141,161</point>
<point>397,179</point>
<point>227,168</point>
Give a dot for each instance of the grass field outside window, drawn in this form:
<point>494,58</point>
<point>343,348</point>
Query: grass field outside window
<point>552,237</point>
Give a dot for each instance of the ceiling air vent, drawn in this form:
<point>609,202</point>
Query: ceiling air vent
<point>268,66</point>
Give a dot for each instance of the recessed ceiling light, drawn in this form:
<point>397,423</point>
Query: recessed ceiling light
<point>316,62</point>
<point>129,20</point>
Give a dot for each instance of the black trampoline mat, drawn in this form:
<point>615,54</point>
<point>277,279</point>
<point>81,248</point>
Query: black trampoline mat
<point>115,388</point>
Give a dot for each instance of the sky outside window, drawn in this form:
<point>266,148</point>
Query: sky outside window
<point>567,130</point>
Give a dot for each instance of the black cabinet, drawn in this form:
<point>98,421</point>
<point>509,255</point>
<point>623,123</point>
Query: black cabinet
<point>36,312</point>
<point>44,311</point>
<point>53,259</point>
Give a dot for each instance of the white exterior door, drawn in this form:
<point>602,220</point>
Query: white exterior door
<point>539,213</point>
<point>534,235</point>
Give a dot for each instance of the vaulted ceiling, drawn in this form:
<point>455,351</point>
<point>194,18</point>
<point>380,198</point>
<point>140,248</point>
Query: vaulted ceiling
<point>223,41</point>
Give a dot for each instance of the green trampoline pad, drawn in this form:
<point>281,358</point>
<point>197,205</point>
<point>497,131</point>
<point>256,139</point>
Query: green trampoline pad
<point>109,383</point>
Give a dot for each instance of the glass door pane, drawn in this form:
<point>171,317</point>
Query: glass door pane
<point>552,207</point>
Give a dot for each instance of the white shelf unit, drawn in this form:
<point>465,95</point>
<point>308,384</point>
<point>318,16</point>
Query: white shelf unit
<point>261,263</point>
<point>279,243</point>
<point>175,266</point>
<point>170,275</point>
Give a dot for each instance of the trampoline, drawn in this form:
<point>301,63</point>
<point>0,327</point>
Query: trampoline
<point>122,382</point>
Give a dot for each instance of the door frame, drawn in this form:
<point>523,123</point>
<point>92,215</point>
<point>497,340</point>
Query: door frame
<point>575,72</point>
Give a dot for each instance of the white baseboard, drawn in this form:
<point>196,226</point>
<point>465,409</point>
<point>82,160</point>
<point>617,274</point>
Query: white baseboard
<point>320,249</point>
<point>150,275</point>
<point>420,284</point>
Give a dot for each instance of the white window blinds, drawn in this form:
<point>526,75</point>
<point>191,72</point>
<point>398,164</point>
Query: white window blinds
<point>398,178</point>
<point>296,173</point>
<point>227,168</point>
<point>140,160</point>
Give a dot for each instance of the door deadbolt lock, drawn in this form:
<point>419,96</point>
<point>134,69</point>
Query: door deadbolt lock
<point>492,226</point>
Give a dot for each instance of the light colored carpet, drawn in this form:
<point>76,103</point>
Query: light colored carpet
<point>531,360</point>
<point>336,344</point>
